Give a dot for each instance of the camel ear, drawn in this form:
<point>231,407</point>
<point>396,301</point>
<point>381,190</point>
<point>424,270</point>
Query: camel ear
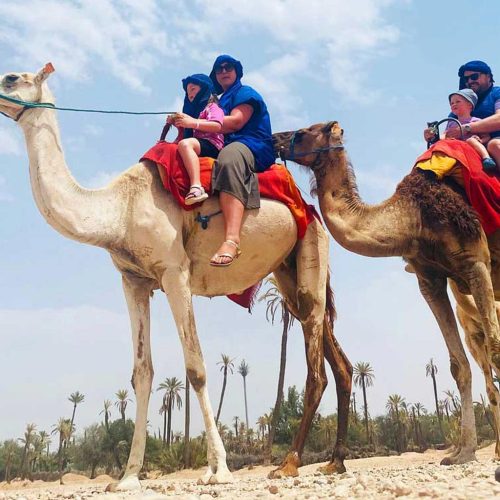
<point>44,73</point>
<point>336,130</point>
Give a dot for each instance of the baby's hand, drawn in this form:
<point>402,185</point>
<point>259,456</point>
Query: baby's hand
<point>184,121</point>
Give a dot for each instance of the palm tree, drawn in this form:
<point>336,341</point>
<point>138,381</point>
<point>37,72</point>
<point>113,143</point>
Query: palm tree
<point>9,450</point>
<point>29,434</point>
<point>187,421</point>
<point>76,398</point>
<point>243,370</point>
<point>363,377</point>
<point>122,401</point>
<point>64,429</point>
<point>274,303</point>
<point>226,365</point>
<point>453,399</point>
<point>235,420</point>
<point>107,413</point>
<point>394,405</point>
<point>430,371</point>
<point>172,387</point>
<point>485,411</point>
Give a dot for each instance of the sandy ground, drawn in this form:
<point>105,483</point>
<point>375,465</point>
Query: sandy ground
<point>408,476</point>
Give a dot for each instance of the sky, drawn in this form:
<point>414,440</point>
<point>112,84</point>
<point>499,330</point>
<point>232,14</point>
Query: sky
<point>381,68</point>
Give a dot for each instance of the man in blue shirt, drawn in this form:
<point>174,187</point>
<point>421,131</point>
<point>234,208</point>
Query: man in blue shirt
<point>477,75</point>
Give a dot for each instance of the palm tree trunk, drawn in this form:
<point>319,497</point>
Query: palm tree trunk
<point>246,405</point>
<point>187,422</point>
<point>221,395</point>
<point>169,423</point>
<point>164,427</point>
<point>279,394</point>
<point>437,405</point>
<point>363,385</point>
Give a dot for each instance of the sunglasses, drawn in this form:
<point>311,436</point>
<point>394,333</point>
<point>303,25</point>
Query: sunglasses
<point>224,67</point>
<point>474,77</point>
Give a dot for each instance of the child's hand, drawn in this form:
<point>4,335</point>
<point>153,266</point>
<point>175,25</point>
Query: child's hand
<point>184,121</point>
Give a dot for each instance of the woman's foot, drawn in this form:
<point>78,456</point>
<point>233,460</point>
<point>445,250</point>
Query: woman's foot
<point>489,165</point>
<point>226,254</point>
<point>196,195</point>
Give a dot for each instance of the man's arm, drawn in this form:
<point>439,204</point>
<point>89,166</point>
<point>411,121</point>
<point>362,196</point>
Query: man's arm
<point>237,119</point>
<point>484,126</point>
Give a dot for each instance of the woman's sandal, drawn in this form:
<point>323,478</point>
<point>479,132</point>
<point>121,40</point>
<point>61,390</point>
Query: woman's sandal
<point>196,195</point>
<point>214,262</point>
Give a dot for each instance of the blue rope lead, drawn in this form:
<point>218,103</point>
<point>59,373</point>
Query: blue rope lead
<point>52,106</point>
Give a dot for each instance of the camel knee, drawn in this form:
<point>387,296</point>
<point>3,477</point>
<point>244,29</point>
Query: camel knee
<point>461,373</point>
<point>197,378</point>
<point>142,376</point>
<point>307,303</point>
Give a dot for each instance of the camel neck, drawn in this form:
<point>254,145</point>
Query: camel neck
<point>358,227</point>
<point>77,213</point>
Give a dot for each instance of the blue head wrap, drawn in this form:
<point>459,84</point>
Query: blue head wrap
<point>479,66</point>
<point>224,58</point>
<point>200,101</point>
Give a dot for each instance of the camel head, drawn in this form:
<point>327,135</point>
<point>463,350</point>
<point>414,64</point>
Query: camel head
<point>307,146</point>
<point>28,87</point>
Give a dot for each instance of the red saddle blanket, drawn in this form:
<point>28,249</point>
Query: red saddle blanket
<point>482,189</point>
<point>275,183</point>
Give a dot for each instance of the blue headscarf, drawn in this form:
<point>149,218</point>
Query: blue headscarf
<point>224,58</point>
<point>200,101</point>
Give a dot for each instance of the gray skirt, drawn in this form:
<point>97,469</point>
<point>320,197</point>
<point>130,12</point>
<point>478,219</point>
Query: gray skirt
<point>234,173</point>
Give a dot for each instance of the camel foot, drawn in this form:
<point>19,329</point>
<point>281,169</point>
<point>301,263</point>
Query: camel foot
<point>128,483</point>
<point>289,467</point>
<point>222,476</point>
<point>462,457</point>
<point>335,467</point>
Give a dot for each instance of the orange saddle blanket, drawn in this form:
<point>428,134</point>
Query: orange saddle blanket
<point>482,189</point>
<point>275,183</point>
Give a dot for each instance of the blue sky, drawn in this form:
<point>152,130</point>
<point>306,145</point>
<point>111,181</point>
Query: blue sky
<point>381,68</point>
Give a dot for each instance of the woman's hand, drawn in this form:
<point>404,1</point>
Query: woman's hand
<point>184,121</point>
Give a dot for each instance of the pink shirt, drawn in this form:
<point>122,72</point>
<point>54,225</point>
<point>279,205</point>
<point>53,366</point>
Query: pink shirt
<point>212,113</point>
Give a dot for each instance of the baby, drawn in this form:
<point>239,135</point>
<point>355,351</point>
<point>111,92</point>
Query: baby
<point>462,102</point>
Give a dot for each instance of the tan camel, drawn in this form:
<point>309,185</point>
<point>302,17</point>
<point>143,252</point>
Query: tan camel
<point>431,226</point>
<point>157,245</point>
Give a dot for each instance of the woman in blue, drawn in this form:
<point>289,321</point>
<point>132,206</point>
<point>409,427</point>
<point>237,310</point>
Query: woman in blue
<point>248,149</point>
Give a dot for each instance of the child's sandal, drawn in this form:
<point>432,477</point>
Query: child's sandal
<point>196,195</point>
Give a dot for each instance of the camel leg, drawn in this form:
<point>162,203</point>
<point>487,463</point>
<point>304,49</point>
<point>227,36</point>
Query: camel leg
<point>310,299</point>
<point>479,280</point>
<point>137,292</point>
<point>342,371</point>
<point>494,247</point>
<point>434,292</point>
<point>175,283</point>
<point>474,337</point>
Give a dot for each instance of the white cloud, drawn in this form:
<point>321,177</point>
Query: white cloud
<point>128,37</point>
<point>9,142</point>
<point>381,180</point>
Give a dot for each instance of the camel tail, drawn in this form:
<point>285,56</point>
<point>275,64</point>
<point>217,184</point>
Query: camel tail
<point>330,312</point>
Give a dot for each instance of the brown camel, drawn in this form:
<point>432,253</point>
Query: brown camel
<point>433,228</point>
<point>155,244</point>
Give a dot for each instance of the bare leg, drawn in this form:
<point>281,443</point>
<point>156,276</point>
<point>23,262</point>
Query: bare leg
<point>232,211</point>
<point>175,282</point>
<point>494,150</point>
<point>189,149</point>
<point>479,147</point>
<point>434,292</point>
<point>137,292</point>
